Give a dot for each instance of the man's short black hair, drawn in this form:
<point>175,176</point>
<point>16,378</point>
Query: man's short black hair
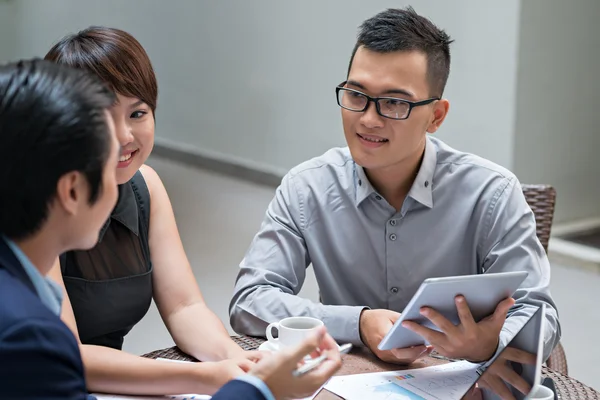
<point>52,122</point>
<point>405,30</point>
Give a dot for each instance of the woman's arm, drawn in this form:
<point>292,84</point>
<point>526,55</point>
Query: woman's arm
<point>113,371</point>
<point>194,327</point>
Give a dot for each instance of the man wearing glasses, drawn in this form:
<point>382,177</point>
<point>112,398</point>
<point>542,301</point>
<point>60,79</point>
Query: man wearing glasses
<point>394,208</point>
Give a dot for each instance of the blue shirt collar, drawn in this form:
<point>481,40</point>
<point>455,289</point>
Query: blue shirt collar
<point>49,292</point>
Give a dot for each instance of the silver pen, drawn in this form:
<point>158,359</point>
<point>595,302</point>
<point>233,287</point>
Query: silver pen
<point>315,362</point>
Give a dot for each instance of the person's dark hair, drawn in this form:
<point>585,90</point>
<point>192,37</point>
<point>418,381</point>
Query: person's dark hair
<point>405,30</point>
<point>113,55</point>
<point>52,122</point>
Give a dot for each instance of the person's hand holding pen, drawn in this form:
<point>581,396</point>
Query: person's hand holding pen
<point>278,370</point>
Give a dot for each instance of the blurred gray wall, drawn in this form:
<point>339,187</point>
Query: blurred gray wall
<point>252,83</point>
<point>557,136</point>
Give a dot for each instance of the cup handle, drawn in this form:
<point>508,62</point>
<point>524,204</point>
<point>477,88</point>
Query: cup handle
<point>270,337</point>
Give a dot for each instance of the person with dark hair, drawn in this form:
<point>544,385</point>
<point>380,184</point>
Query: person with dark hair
<point>139,255</point>
<point>58,156</point>
<point>393,208</point>
<point>58,164</point>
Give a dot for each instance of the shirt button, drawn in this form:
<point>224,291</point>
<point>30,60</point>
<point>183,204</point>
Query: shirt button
<point>393,222</point>
<point>394,290</point>
<point>378,197</point>
<point>393,236</point>
<point>426,183</point>
<point>359,182</point>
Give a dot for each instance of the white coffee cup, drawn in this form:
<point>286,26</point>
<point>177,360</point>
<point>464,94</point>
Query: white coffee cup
<point>292,330</point>
<point>540,392</point>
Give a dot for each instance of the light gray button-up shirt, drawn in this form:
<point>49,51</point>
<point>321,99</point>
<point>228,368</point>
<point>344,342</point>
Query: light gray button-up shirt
<point>463,215</point>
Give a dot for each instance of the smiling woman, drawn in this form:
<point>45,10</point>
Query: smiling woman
<point>122,63</point>
<point>139,256</point>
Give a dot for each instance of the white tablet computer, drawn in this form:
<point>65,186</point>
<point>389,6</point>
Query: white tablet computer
<point>483,292</point>
<point>529,338</point>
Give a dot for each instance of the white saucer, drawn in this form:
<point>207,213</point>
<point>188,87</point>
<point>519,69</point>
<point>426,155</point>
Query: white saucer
<point>269,346</point>
<point>272,346</point>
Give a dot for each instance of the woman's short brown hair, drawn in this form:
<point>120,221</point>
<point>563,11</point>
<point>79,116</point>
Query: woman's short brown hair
<point>113,55</point>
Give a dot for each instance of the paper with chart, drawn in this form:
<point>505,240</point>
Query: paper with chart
<point>441,382</point>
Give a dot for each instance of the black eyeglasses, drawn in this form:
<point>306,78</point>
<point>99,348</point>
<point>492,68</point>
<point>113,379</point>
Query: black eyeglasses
<point>388,107</point>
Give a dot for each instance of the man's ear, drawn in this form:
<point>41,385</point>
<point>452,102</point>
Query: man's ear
<point>71,190</point>
<point>440,111</point>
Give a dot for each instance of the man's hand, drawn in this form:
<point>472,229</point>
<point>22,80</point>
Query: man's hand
<point>470,340</point>
<point>276,369</point>
<point>473,394</point>
<point>501,373</point>
<point>374,325</point>
<point>235,352</point>
<point>254,355</point>
<point>226,370</point>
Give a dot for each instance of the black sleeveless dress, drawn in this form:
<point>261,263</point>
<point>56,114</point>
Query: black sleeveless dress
<point>110,286</point>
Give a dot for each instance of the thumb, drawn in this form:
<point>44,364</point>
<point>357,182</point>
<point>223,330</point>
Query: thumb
<point>502,309</point>
<point>394,316</point>
<point>245,365</point>
<point>307,346</point>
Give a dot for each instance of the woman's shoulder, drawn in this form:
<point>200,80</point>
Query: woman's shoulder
<point>156,189</point>
<point>152,180</point>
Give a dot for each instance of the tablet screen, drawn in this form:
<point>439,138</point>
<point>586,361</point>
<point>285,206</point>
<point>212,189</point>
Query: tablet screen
<point>521,358</point>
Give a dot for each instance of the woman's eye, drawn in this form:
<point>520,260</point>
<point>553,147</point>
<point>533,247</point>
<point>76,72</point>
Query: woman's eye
<point>138,114</point>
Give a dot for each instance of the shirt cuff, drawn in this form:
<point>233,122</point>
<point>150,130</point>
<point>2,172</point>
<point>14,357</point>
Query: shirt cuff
<point>257,383</point>
<point>343,324</point>
<point>507,334</point>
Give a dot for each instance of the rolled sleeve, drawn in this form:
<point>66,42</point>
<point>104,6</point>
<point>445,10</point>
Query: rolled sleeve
<point>511,244</point>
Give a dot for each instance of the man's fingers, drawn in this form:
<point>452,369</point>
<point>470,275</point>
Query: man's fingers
<point>496,385</point>
<point>438,320</point>
<point>307,346</point>
<point>409,354</point>
<point>520,356</point>
<point>464,312</point>
<point>328,343</point>
<point>394,317</point>
<point>502,309</point>
<point>313,380</point>
<point>254,355</point>
<point>328,368</point>
<point>433,337</point>
<point>245,365</point>
<point>512,378</point>
<point>473,394</point>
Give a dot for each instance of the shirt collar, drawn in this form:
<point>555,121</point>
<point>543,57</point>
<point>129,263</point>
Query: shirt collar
<point>363,187</point>
<point>49,292</point>
<point>421,189</point>
<point>126,211</point>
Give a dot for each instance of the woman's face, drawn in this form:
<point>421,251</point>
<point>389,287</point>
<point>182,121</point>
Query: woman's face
<point>134,124</point>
